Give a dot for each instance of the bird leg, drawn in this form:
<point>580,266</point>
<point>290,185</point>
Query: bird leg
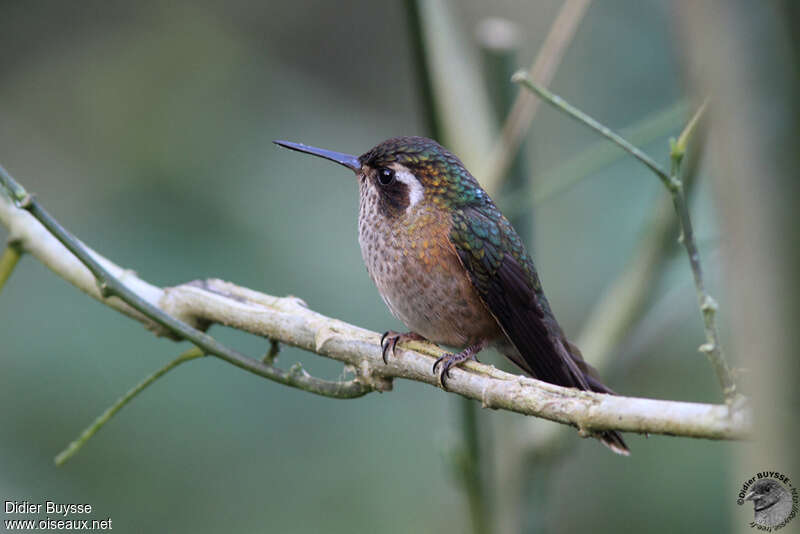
<point>449,360</point>
<point>390,338</point>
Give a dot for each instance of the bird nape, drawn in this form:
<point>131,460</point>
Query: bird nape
<point>451,267</point>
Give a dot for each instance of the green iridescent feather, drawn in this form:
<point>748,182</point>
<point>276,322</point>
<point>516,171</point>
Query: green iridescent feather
<point>480,233</point>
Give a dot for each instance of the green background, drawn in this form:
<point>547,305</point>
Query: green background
<point>146,129</point>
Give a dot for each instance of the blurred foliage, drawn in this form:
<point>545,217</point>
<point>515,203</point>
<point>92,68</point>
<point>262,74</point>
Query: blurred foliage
<point>145,128</point>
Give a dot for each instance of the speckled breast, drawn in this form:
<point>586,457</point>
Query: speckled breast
<point>419,275</point>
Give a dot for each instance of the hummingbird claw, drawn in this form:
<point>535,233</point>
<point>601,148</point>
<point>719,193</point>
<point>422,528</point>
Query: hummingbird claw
<point>390,338</point>
<point>384,345</point>
<point>449,360</point>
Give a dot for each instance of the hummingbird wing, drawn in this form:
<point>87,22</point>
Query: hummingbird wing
<point>506,280</point>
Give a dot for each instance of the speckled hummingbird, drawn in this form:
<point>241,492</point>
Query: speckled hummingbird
<point>450,266</point>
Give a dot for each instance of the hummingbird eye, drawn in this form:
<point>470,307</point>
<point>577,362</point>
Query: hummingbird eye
<point>386,176</point>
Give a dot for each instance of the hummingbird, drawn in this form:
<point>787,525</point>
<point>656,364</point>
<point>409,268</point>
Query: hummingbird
<point>451,267</point>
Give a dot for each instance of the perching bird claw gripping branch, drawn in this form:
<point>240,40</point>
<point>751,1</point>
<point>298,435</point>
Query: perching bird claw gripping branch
<point>289,321</point>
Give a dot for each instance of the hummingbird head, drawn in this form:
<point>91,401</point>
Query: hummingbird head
<point>403,174</point>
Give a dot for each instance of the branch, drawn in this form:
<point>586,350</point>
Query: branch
<point>708,306</point>
<point>621,306</point>
<point>108,286</point>
<point>567,174</point>
<point>106,416</point>
<point>289,321</point>
<point>561,104</point>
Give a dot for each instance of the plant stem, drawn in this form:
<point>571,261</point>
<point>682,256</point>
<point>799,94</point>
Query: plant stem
<point>106,416</point>
<point>559,103</point>
<point>565,175</point>
<point>8,261</point>
<point>708,306</point>
<point>289,321</point>
<point>110,286</point>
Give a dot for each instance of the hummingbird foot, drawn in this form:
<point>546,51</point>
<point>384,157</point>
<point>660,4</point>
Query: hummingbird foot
<point>449,360</point>
<point>390,338</point>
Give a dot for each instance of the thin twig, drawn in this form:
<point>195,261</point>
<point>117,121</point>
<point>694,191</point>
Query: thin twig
<point>559,103</point>
<point>708,306</point>
<point>564,176</point>
<point>672,182</point>
<point>106,416</point>
<point>682,143</point>
<point>8,261</point>
<point>111,286</point>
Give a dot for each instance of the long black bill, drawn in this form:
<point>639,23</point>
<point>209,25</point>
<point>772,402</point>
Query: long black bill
<point>351,162</point>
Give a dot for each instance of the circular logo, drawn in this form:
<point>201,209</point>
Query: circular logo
<point>774,500</point>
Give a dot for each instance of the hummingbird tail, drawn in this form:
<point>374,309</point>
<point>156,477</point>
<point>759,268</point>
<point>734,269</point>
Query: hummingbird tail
<point>611,439</point>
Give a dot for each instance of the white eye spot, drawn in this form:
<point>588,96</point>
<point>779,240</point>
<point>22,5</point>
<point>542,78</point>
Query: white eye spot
<point>415,190</point>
